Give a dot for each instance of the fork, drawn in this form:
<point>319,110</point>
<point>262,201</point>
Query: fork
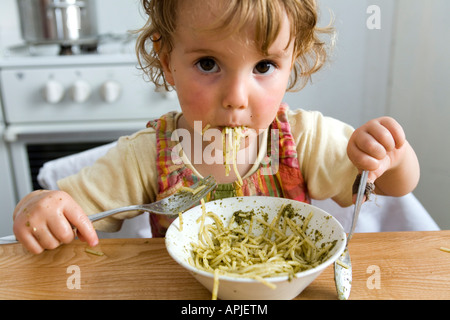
<point>170,206</point>
<point>343,265</point>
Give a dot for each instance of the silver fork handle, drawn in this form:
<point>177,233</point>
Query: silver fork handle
<point>359,201</point>
<point>93,217</point>
<point>104,214</point>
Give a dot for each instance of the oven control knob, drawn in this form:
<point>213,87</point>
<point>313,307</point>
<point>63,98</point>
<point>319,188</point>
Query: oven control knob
<point>81,91</point>
<point>53,91</point>
<point>110,91</point>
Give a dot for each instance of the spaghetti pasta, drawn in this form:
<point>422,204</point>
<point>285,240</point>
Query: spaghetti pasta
<point>252,247</point>
<point>180,219</point>
<point>231,139</point>
<point>193,191</point>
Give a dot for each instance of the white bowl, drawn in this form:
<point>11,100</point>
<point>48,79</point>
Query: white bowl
<point>179,247</point>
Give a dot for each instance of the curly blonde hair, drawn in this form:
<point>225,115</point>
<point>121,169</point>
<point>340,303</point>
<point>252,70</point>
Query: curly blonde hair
<point>310,52</point>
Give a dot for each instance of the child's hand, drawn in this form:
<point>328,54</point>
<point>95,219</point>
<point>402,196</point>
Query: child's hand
<point>380,146</point>
<point>375,145</point>
<point>45,219</point>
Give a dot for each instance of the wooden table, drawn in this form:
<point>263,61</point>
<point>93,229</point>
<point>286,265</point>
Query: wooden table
<point>397,265</point>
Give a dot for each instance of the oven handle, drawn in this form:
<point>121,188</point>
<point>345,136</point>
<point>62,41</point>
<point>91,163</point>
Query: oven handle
<point>15,133</point>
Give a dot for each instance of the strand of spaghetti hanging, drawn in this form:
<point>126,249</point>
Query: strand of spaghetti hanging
<point>231,139</point>
<point>231,142</point>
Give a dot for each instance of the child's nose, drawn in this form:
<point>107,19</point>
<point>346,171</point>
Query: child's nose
<point>235,93</point>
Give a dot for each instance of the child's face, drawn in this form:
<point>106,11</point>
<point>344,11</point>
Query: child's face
<point>226,81</point>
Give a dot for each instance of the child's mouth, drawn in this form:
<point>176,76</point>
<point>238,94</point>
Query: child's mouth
<point>232,126</point>
<point>244,131</point>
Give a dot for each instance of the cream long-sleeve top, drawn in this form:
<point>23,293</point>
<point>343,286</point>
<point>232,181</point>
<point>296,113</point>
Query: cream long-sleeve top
<point>127,174</point>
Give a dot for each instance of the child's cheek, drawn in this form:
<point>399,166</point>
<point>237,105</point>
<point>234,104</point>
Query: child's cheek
<point>195,104</point>
<point>266,108</point>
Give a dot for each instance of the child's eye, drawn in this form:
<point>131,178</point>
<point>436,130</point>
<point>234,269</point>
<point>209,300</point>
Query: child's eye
<point>264,67</point>
<point>207,65</point>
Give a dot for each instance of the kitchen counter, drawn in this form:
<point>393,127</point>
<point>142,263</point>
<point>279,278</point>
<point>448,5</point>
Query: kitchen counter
<point>387,265</point>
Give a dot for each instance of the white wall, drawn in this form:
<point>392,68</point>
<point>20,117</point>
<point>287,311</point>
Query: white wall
<point>9,24</point>
<point>399,70</point>
<point>420,96</point>
<point>353,86</point>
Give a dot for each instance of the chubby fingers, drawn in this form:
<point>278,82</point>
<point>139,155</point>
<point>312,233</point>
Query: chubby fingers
<point>370,145</point>
<point>44,220</point>
<point>81,222</point>
<point>39,236</point>
<point>387,132</point>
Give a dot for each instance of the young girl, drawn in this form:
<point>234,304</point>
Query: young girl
<point>230,62</point>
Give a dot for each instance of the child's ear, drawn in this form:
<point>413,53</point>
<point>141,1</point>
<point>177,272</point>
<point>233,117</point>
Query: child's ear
<point>164,58</point>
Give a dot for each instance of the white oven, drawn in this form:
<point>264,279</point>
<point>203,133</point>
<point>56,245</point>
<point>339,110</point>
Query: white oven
<point>60,105</point>
<point>7,193</point>
<point>31,146</point>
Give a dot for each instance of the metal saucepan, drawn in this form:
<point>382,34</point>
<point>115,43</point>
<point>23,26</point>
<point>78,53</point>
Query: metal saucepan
<point>64,22</point>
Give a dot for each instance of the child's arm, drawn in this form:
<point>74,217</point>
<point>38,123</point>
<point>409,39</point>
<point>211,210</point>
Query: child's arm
<point>380,147</point>
<point>45,219</point>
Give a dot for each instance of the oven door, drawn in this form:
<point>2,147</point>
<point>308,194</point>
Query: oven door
<point>7,194</point>
<point>33,145</point>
